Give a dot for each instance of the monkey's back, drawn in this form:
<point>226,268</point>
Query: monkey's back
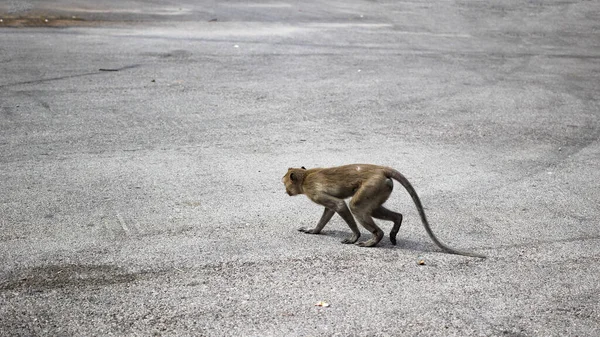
<point>341,181</point>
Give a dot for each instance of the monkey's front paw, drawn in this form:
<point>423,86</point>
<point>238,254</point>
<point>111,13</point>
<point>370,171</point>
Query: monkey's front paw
<point>307,231</point>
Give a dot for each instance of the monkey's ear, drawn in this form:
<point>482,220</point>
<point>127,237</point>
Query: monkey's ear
<point>293,177</point>
<point>304,168</point>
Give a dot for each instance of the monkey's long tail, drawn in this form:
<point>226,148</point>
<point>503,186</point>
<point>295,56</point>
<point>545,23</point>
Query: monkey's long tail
<point>391,173</point>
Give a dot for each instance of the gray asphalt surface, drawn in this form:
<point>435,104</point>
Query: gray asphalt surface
<point>145,198</point>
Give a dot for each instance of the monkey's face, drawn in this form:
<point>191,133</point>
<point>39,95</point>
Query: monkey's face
<point>292,182</point>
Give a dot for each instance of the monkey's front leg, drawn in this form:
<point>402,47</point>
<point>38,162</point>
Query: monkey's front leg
<point>327,215</point>
<point>335,205</point>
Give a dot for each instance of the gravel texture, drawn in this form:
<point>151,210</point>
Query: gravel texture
<point>142,147</point>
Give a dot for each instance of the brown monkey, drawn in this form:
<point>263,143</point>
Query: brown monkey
<point>369,186</point>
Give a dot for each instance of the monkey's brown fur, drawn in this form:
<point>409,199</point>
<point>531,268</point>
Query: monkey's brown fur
<point>369,186</point>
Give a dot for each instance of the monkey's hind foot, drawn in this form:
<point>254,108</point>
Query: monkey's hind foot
<point>395,231</point>
<point>351,239</point>
<point>377,236</point>
<point>368,243</point>
<point>393,237</point>
<point>308,231</point>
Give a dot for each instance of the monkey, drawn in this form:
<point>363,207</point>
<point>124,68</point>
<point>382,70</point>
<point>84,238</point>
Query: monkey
<point>369,186</point>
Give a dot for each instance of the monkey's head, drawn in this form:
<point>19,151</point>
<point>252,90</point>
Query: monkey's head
<point>293,180</point>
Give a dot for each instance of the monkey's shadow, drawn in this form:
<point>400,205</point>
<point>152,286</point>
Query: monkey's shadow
<point>385,242</point>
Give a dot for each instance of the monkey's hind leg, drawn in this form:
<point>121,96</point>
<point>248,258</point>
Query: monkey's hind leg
<point>385,214</point>
<point>368,223</point>
<point>369,197</point>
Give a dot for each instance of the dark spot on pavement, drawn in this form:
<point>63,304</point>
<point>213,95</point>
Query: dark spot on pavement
<point>69,275</point>
<point>43,21</point>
